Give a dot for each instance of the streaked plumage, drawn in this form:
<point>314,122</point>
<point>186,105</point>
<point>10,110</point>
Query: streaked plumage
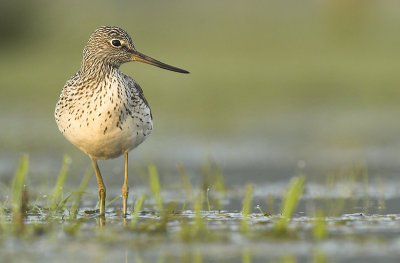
<point>102,111</point>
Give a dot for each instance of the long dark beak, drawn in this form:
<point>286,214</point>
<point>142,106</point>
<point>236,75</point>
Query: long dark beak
<point>137,56</point>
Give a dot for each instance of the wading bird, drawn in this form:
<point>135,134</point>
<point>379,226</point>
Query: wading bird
<point>101,110</point>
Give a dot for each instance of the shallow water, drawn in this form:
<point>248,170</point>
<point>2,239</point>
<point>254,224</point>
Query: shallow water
<point>363,230</point>
<point>356,185</point>
<point>353,179</point>
<point>352,237</point>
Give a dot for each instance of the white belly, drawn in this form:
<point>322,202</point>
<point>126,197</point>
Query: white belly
<point>106,131</point>
<point>101,143</point>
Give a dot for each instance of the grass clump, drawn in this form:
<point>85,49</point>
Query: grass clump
<point>196,229</point>
<point>290,202</point>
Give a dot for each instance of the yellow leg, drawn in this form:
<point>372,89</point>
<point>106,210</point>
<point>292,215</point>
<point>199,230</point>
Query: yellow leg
<point>102,187</point>
<point>125,187</point>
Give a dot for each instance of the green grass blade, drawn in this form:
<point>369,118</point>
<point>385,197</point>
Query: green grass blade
<point>320,229</point>
<point>198,220</point>
<point>292,196</point>
<point>18,188</point>
<point>19,180</point>
<point>136,210</point>
<point>219,184</point>
<point>290,201</point>
<point>246,210</point>
<point>112,201</point>
<point>56,196</point>
<point>382,199</point>
<point>35,203</point>
<point>155,187</point>
<point>197,257</point>
<point>246,256</point>
<point>183,206</point>
<point>82,188</point>
<point>208,200</point>
<point>64,201</point>
<point>288,259</point>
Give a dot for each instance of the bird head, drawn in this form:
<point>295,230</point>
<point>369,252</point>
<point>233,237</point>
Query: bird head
<point>113,46</point>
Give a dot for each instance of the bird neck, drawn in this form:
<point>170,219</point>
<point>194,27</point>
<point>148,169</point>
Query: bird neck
<point>97,69</point>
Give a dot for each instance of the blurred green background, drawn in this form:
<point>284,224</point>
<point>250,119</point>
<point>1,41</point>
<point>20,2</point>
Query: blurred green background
<point>276,87</point>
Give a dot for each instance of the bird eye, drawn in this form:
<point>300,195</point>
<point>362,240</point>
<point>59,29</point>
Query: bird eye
<point>116,43</point>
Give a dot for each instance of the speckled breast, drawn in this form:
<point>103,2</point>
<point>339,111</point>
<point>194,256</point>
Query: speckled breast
<point>105,120</point>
